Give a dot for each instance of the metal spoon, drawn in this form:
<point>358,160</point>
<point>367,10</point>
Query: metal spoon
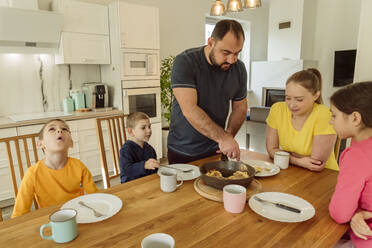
<point>96,213</point>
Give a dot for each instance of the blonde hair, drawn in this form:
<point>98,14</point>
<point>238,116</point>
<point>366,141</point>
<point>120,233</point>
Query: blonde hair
<point>310,79</point>
<point>133,119</point>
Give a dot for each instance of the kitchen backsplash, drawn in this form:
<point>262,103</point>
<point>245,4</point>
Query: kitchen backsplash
<point>33,83</point>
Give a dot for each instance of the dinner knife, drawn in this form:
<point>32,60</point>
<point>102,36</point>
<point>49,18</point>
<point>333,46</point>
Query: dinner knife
<point>279,205</point>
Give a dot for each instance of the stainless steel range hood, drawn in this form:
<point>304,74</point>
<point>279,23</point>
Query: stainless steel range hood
<point>29,31</point>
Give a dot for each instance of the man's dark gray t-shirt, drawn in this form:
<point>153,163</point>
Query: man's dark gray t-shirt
<point>215,88</point>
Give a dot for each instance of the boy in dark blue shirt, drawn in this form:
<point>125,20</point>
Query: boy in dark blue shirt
<point>137,157</point>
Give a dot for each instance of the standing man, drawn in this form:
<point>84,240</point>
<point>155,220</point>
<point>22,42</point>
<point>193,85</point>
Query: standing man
<point>204,80</point>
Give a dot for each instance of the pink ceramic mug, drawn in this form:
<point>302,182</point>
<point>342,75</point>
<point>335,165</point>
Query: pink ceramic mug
<point>234,198</point>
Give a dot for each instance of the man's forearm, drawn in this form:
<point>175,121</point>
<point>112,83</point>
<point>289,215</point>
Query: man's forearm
<point>204,124</point>
<point>236,120</point>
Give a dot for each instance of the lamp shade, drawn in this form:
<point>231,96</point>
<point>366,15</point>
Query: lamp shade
<point>234,5</point>
<point>252,4</point>
<point>217,8</point>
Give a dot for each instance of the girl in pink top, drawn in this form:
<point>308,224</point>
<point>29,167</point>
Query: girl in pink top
<point>352,118</point>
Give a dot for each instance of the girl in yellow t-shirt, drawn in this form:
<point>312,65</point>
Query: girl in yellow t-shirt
<point>300,125</point>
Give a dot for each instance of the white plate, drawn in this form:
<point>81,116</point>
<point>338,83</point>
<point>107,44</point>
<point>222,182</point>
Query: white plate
<point>195,173</point>
<point>274,213</point>
<point>268,169</point>
<point>106,204</point>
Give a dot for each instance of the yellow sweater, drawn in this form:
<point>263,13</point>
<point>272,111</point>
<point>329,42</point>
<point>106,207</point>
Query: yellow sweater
<point>51,187</point>
<point>301,142</point>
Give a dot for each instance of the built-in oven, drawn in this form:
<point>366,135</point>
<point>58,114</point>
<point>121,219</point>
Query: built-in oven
<point>145,100</point>
<point>140,64</point>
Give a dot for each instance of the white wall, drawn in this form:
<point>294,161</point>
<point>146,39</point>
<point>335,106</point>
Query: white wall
<point>182,24</point>
<point>21,82</point>
<point>270,74</point>
<point>308,29</point>
<point>337,25</point>
<point>363,70</point>
<point>285,43</point>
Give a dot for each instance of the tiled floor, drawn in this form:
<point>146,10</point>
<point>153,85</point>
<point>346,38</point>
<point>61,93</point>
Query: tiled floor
<point>7,206</point>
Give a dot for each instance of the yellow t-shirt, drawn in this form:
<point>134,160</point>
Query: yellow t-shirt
<point>51,187</point>
<point>301,142</point>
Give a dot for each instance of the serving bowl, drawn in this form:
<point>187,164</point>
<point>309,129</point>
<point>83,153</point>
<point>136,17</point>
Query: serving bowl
<point>227,168</point>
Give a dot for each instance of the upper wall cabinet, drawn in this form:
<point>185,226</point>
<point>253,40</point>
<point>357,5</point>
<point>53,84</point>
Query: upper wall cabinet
<point>76,48</point>
<point>85,33</point>
<point>139,26</point>
<point>81,17</point>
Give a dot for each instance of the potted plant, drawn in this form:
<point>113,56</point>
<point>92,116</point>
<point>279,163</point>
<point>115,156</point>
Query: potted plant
<point>166,96</point>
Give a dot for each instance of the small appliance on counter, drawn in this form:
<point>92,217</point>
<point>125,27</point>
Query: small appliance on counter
<point>96,95</point>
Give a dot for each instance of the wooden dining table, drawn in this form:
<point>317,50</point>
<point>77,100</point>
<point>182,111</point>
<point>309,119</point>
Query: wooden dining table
<point>192,220</point>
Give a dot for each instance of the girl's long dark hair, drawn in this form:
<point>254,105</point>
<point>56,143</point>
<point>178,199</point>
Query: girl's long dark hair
<point>356,97</point>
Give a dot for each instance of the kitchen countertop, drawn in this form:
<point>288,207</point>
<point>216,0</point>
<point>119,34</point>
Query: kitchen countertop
<point>6,122</point>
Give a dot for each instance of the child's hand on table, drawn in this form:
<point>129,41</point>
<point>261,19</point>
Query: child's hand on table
<point>151,164</point>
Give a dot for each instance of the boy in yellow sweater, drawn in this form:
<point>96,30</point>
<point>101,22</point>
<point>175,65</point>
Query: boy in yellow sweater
<point>57,178</point>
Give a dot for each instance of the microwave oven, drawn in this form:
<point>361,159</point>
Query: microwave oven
<point>140,64</point>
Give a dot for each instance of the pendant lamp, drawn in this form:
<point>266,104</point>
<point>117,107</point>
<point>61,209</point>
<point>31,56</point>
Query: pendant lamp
<point>234,6</point>
<point>217,8</point>
<point>252,4</point>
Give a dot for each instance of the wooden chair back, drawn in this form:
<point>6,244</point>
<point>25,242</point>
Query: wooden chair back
<point>15,142</point>
<point>116,138</point>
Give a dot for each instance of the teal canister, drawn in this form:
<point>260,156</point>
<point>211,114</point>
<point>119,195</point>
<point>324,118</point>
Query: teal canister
<point>79,99</point>
<point>68,104</point>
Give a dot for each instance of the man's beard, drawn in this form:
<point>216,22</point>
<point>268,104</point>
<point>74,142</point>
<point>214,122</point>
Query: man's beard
<point>212,58</point>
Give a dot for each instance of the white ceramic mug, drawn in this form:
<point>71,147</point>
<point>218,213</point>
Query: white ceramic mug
<point>168,180</point>
<point>158,240</point>
<point>281,159</point>
<point>234,198</point>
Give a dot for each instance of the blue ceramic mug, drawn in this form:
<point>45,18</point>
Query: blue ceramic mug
<point>63,225</point>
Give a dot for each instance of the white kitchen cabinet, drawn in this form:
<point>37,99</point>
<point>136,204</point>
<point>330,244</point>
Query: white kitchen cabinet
<point>82,17</point>
<point>77,48</point>
<point>134,43</point>
<point>85,33</point>
<point>139,26</point>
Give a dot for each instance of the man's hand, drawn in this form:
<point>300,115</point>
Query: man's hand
<point>229,147</point>
<point>151,164</point>
<point>359,225</point>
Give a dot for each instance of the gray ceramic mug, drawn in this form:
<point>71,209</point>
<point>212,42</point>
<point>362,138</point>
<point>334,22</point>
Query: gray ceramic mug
<point>168,180</point>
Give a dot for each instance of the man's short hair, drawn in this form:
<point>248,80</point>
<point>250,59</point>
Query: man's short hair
<point>224,26</point>
<point>133,119</point>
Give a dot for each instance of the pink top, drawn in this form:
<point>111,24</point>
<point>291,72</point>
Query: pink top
<point>354,186</point>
